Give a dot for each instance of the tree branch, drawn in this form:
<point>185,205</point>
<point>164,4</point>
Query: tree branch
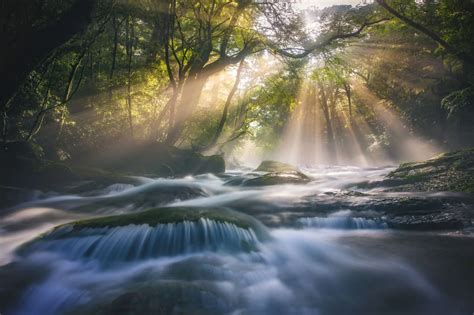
<point>321,44</point>
<point>417,26</point>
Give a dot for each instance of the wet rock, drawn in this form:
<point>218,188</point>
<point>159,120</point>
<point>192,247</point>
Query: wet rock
<point>146,196</point>
<point>10,196</point>
<point>277,178</point>
<point>164,215</point>
<point>433,221</point>
<point>276,173</point>
<point>275,167</point>
<point>15,278</point>
<point>163,298</point>
<point>453,171</point>
<point>163,232</point>
<point>173,215</point>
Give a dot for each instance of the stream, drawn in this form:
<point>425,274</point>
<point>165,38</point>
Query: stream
<point>326,247</point>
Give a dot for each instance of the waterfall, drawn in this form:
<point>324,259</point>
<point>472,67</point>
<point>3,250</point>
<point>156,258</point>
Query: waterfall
<point>341,220</point>
<point>139,242</point>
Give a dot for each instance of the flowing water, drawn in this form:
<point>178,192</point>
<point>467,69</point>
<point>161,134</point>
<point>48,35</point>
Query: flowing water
<point>328,248</point>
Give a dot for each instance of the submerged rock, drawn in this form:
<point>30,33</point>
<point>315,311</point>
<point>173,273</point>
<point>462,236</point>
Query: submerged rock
<point>150,234</point>
<point>146,196</point>
<point>162,298</point>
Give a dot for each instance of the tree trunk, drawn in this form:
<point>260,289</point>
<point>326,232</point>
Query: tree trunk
<point>115,47</point>
<point>223,119</point>
<point>347,88</point>
<point>192,90</point>
<point>329,130</point>
<point>129,48</point>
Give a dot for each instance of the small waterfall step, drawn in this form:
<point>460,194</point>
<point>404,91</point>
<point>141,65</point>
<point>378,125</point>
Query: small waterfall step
<point>151,234</point>
<point>341,220</point>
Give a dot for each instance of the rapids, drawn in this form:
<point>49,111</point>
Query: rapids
<point>332,249</point>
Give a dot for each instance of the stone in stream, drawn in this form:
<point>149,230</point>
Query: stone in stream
<point>275,173</point>
<point>151,234</point>
<point>275,167</point>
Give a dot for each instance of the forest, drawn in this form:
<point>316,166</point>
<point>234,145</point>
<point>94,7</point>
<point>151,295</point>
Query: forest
<point>317,147</point>
<point>215,75</point>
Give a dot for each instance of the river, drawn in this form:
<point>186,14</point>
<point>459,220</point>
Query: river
<point>329,248</point>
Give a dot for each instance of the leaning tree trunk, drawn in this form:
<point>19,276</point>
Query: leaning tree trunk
<point>232,92</point>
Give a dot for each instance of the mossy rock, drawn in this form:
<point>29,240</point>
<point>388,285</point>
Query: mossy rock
<point>167,215</point>
<point>275,167</point>
<point>453,171</point>
<point>280,178</point>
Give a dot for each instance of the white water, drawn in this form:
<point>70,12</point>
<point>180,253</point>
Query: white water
<point>140,242</point>
<point>299,272</point>
<point>342,220</point>
<point>305,267</point>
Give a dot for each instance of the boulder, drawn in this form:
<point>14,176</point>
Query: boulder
<point>166,215</point>
<point>276,173</point>
<point>275,167</point>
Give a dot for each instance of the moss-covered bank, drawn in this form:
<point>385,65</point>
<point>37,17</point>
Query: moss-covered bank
<point>453,171</point>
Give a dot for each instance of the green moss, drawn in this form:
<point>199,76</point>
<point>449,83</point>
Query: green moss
<point>166,215</point>
<point>452,171</point>
<point>274,166</point>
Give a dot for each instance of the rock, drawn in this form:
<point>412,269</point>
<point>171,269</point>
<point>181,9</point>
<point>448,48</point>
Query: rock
<point>277,173</point>
<point>173,215</point>
<point>434,221</point>
<point>161,232</point>
<point>145,196</point>
<point>10,196</point>
<point>162,298</point>
<point>277,178</point>
<point>166,215</point>
<point>452,171</point>
<point>275,167</point>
